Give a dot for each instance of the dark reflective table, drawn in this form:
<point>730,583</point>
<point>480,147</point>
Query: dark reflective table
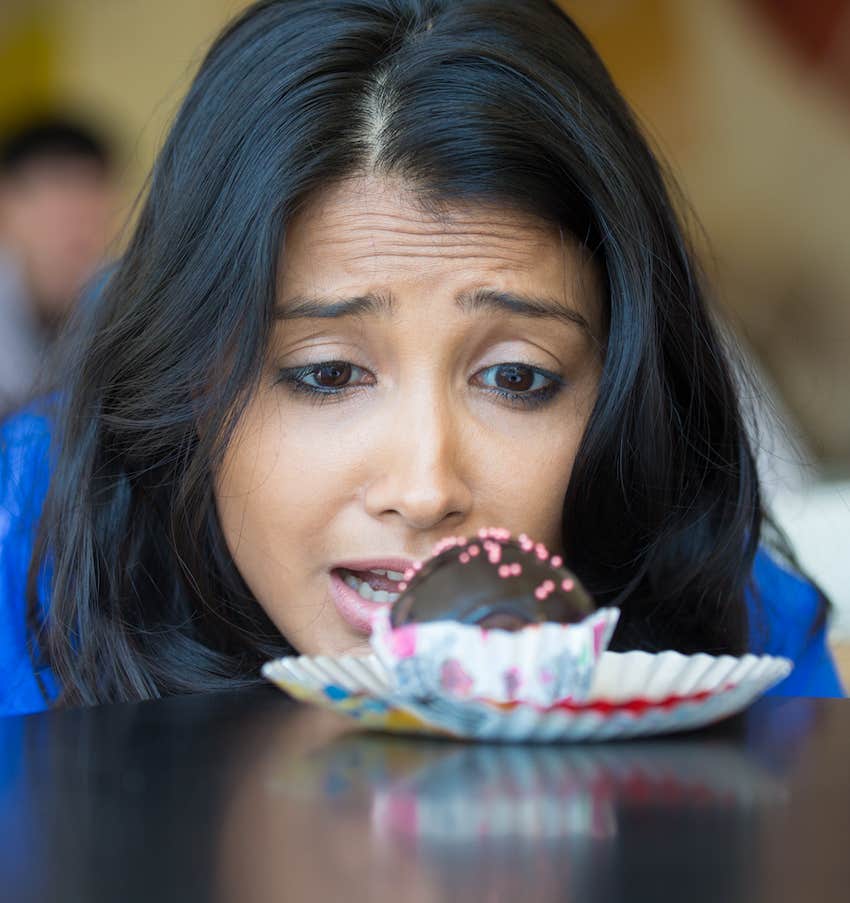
<point>245,796</point>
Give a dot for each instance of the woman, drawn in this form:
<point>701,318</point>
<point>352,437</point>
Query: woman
<point>406,268</point>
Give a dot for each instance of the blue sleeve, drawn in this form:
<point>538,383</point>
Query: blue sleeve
<point>783,613</point>
<point>24,473</point>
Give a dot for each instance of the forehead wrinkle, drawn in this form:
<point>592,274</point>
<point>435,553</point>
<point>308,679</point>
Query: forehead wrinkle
<point>370,246</point>
<point>507,236</point>
<point>396,238</point>
<point>400,224</point>
<point>458,219</point>
<point>488,228</point>
<point>505,261</point>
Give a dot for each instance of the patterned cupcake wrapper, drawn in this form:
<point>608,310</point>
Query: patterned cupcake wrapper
<point>633,694</point>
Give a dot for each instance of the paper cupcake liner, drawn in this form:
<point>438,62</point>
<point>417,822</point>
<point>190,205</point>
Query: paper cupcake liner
<point>540,664</point>
<point>632,694</point>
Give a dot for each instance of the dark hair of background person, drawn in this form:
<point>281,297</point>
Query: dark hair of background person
<point>485,100</point>
<point>52,137</point>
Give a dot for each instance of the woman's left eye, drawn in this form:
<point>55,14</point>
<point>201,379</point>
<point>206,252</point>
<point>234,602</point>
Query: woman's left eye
<point>521,383</point>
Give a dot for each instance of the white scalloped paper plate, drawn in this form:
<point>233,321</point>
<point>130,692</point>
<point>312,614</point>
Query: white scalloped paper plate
<point>634,694</point>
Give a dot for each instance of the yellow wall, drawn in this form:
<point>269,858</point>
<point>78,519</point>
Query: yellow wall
<point>131,63</point>
<point>28,76</point>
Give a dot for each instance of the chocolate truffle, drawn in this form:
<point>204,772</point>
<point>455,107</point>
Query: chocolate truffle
<point>493,581</point>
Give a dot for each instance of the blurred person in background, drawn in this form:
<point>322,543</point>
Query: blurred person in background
<point>56,208</point>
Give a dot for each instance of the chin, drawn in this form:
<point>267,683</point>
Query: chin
<point>336,645</point>
<point>358,646</point>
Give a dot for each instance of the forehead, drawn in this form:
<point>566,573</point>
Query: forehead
<point>374,236</point>
<point>373,221</point>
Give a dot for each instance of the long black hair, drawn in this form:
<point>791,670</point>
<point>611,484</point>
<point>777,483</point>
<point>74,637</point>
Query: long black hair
<point>478,100</point>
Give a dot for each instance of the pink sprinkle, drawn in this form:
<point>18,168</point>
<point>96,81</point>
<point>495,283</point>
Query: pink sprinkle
<point>464,558</point>
<point>495,554</point>
<point>403,641</point>
<point>447,542</point>
<point>402,586</point>
<point>556,561</point>
<point>417,565</point>
<point>568,584</point>
<point>549,585</point>
<point>504,570</point>
<point>482,533</point>
<point>539,594</point>
<point>460,540</point>
<point>523,538</point>
<point>516,569</point>
<point>473,550</point>
<point>409,574</point>
<point>541,550</point>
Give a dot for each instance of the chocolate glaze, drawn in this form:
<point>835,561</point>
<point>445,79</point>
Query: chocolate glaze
<point>455,586</point>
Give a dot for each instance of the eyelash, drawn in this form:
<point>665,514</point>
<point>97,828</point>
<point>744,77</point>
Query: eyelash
<point>294,379</point>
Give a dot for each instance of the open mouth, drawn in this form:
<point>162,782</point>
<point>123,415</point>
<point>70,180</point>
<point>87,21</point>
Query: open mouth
<point>373,585</point>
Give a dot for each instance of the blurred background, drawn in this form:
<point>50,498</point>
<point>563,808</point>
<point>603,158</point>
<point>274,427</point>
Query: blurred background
<point>747,101</point>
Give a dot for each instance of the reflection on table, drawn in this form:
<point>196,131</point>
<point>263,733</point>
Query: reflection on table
<point>245,796</point>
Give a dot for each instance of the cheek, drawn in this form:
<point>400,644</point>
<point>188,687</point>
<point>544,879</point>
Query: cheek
<point>271,496</point>
<point>530,472</point>
<point>532,491</point>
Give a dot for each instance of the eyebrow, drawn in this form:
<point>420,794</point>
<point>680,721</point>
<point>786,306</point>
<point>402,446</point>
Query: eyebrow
<point>299,308</point>
<point>525,305</point>
<point>480,299</point>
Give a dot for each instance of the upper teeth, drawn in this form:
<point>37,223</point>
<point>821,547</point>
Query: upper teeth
<point>393,575</point>
<point>366,591</point>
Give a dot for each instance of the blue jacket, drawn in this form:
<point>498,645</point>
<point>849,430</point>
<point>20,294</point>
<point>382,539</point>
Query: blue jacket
<point>789,603</point>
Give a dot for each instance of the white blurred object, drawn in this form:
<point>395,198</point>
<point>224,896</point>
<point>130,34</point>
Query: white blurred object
<point>784,461</point>
<point>813,512</point>
<point>816,520</point>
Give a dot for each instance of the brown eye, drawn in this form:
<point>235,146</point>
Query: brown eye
<point>325,379</point>
<point>333,375</point>
<point>520,384</point>
<point>515,378</point>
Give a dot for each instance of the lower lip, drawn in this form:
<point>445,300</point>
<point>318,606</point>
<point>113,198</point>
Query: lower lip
<point>356,611</point>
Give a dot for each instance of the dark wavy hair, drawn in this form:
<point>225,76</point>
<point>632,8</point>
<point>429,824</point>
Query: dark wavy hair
<point>466,100</point>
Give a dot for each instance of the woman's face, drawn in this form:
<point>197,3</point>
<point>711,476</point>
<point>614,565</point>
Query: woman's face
<point>428,375</point>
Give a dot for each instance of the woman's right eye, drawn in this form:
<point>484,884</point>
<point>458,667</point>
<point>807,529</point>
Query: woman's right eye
<point>327,378</point>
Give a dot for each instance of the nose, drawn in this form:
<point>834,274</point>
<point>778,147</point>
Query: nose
<point>420,474</point>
